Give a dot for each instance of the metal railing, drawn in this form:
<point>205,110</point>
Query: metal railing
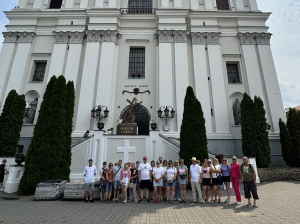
<point>137,11</point>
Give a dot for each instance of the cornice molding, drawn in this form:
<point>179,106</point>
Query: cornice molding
<point>76,37</point>
<point>61,37</point>
<point>180,36</point>
<point>198,38</point>
<point>255,38</point>
<point>263,38</point>
<point>213,38</point>
<point>247,38</point>
<point>10,37</point>
<point>93,35</point>
<point>164,36</point>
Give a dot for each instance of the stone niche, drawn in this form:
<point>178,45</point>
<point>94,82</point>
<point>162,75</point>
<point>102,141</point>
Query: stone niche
<point>127,129</point>
<point>31,98</point>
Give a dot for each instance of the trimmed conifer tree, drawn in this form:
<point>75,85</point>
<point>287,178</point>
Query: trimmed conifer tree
<point>285,141</point>
<point>293,125</point>
<point>247,126</point>
<point>11,121</point>
<point>193,140</point>
<point>261,139</point>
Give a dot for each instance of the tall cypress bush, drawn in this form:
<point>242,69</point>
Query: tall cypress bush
<point>261,139</point>
<point>285,141</point>
<point>247,123</point>
<point>11,121</point>
<point>193,140</point>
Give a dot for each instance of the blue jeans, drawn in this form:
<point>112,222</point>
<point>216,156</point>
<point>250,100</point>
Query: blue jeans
<point>108,186</point>
<point>177,192</point>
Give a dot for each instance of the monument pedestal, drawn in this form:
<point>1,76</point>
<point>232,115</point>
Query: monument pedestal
<point>127,129</point>
<point>15,174</point>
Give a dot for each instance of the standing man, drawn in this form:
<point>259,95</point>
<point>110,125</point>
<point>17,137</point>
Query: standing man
<point>195,171</point>
<point>248,178</point>
<point>2,172</point>
<point>117,177</point>
<point>145,178</point>
<point>90,172</point>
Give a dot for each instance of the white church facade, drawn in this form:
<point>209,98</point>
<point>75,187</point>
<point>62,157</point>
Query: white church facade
<point>114,50</point>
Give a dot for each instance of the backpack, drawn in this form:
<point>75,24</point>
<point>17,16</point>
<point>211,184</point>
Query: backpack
<point>249,166</point>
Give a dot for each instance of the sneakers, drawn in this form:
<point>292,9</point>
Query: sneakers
<point>227,201</point>
<point>1,189</point>
<point>141,201</point>
<point>239,202</point>
<point>92,200</point>
<point>86,201</point>
<point>147,201</point>
<point>135,200</point>
<point>201,201</point>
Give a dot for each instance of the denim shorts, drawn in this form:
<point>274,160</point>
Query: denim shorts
<point>117,185</point>
<point>159,184</point>
<point>182,181</point>
<point>173,184</point>
<point>108,186</point>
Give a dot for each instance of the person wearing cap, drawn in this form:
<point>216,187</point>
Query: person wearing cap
<point>177,188</point>
<point>145,178</point>
<point>158,174</point>
<point>3,170</point>
<point>195,171</point>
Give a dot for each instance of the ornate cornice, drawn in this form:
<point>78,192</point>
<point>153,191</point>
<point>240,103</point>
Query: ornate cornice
<point>26,37</point>
<point>247,38</point>
<point>180,36</point>
<point>93,35</point>
<point>76,37</point>
<point>263,38</point>
<point>61,37</point>
<point>110,36</point>
<point>165,36</point>
<point>198,38</point>
<point>10,37</point>
<point>213,38</point>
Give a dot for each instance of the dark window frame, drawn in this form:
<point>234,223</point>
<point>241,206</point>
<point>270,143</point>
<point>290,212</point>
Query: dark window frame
<point>55,4</point>
<point>233,73</point>
<point>39,71</point>
<point>223,4</point>
<point>140,6</point>
<point>137,63</point>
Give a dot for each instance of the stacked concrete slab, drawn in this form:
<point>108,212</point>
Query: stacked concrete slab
<point>75,190</point>
<point>50,190</point>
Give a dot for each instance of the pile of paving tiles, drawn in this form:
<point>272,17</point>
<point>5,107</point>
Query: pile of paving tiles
<point>50,190</point>
<point>75,190</point>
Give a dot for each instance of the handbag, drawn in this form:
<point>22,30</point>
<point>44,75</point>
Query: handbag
<point>218,176</point>
<point>182,176</point>
<point>130,185</point>
<point>122,181</point>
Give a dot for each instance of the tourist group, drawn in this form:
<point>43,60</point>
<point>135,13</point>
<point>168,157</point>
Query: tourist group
<point>166,181</point>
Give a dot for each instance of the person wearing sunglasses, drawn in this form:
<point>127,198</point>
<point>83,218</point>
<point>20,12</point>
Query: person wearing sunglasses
<point>182,180</point>
<point>226,170</point>
<point>163,190</point>
<point>215,171</point>
<point>235,173</point>
<point>158,174</point>
<point>170,175</point>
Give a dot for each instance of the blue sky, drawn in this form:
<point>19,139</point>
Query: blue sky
<point>284,25</point>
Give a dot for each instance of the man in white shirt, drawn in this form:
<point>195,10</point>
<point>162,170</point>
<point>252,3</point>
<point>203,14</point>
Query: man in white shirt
<point>195,171</point>
<point>90,172</point>
<point>145,178</point>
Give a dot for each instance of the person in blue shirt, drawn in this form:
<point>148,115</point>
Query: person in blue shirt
<point>226,173</point>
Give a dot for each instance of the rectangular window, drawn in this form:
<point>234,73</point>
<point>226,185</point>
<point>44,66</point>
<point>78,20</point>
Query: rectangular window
<point>39,71</point>
<point>140,6</point>
<point>137,63</point>
<point>222,4</point>
<point>233,73</point>
<point>55,4</point>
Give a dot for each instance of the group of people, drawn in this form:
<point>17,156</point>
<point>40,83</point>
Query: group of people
<point>167,180</point>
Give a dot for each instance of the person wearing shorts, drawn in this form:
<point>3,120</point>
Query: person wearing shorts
<point>206,180</point>
<point>137,180</point>
<point>109,184</point>
<point>215,170</point>
<point>164,166</point>
<point>182,180</point>
<point>145,178</point>
<point>226,171</point>
<point>2,172</point>
<point>171,175</point>
<point>125,178</point>
<point>89,173</point>
<point>158,174</point>
<point>117,177</point>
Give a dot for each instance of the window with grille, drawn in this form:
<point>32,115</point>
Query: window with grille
<point>55,4</point>
<point>39,71</point>
<point>223,4</point>
<point>233,73</point>
<point>140,6</point>
<point>137,63</point>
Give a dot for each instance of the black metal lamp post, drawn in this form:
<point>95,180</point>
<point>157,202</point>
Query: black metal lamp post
<point>96,112</point>
<point>166,116</point>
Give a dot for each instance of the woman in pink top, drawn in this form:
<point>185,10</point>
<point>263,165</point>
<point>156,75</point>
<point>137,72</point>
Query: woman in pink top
<point>125,177</point>
<point>206,181</point>
<point>235,174</point>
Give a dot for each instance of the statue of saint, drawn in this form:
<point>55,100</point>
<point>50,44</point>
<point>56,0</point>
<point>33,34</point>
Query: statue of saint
<point>237,112</point>
<point>32,109</point>
<point>129,116</point>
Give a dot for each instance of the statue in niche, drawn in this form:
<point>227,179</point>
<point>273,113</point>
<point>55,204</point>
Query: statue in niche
<point>237,112</point>
<point>129,116</point>
<point>30,110</point>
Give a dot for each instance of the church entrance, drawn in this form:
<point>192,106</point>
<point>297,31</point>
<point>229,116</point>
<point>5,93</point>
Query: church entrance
<point>141,116</point>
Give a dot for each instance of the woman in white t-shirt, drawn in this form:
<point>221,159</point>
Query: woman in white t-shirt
<point>215,171</point>
<point>163,190</point>
<point>170,175</point>
<point>158,174</point>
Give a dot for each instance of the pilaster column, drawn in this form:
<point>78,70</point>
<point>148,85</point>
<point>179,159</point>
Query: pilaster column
<point>107,73</point>
<point>6,58</point>
<point>253,5</point>
<point>58,54</point>
<point>217,83</point>
<point>69,4</point>
<point>165,70</point>
<point>177,3</point>
<point>74,54</point>
<point>181,71</point>
<point>195,4</point>
<point>22,4</point>
<point>22,56</point>
<point>89,74</point>
<point>99,3</point>
<point>38,4</point>
<point>270,79</point>
<point>84,4</point>
<point>251,64</point>
<point>239,5</point>
<point>112,3</point>
<point>165,3</point>
<point>209,4</point>
<point>201,76</point>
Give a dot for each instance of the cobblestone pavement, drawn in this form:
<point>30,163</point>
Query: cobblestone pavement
<point>279,203</point>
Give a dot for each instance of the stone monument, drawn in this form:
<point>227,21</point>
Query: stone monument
<point>128,126</point>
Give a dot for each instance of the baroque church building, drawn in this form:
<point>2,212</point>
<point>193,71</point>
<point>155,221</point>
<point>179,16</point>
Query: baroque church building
<point>115,50</point>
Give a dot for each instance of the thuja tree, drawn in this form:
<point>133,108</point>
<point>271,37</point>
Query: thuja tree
<point>285,141</point>
<point>193,140</point>
<point>11,121</point>
<point>247,126</point>
<point>261,139</point>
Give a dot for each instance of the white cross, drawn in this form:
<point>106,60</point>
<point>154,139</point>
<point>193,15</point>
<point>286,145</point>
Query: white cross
<point>126,150</point>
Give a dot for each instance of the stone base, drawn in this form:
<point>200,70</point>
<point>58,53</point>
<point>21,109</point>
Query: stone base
<point>127,129</point>
<point>14,178</point>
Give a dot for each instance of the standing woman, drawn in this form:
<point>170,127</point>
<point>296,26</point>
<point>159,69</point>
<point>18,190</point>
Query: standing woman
<point>215,170</point>
<point>125,179</point>
<point>164,191</point>
<point>109,183</point>
<point>206,180</point>
<point>235,172</point>
<point>183,180</point>
<point>171,181</point>
<point>151,189</point>
<point>103,181</point>
<point>226,170</point>
<point>158,174</point>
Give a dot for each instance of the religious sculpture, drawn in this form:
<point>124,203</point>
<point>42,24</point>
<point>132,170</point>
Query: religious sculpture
<point>237,112</point>
<point>30,111</point>
<point>129,116</point>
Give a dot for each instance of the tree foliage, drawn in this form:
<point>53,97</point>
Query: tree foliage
<point>193,140</point>
<point>11,121</point>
